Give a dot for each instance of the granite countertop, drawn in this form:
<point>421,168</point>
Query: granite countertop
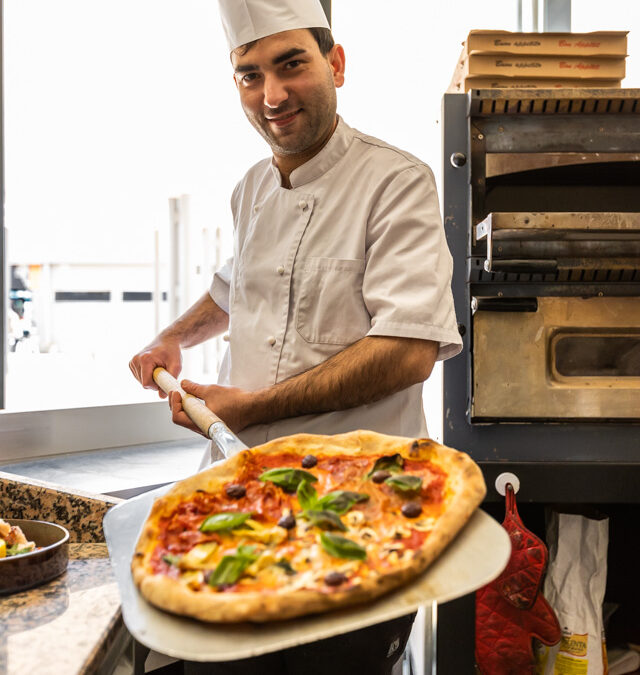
<point>69,624</point>
<point>66,625</point>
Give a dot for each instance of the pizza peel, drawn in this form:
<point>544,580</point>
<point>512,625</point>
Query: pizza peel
<point>474,558</point>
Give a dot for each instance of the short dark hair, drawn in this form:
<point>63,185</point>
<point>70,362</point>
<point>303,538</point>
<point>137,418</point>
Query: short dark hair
<point>322,36</point>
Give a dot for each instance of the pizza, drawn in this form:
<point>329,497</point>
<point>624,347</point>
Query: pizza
<point>303,524</point>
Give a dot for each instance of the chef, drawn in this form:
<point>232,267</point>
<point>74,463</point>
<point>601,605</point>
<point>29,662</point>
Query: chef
<point>337,299</point>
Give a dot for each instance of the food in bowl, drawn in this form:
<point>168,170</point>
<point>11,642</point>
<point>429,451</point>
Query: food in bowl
<point>12,541</point>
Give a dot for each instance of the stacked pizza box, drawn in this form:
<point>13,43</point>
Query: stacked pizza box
<point>500,59</point>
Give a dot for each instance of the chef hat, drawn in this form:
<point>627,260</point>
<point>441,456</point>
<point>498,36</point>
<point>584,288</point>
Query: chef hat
<point>248,20</point>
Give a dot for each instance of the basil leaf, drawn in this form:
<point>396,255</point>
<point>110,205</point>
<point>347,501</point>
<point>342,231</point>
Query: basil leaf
<point>229,570</point>
<point>405,483</point>
<point>341,501</point>
<point>224,521</point>
<point>287,479</point>
<point>231,567</point>
<point>307,495</point>
<point>171,559</point>
<point>325,520</point>
<point>341,547</point>
<point>392,463</point>
<point>286,566</point>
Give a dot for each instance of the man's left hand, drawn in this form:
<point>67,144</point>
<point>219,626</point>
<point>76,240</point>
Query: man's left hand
<point>230,404</point>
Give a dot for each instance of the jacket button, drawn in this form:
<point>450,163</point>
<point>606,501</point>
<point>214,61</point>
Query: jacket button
<point>280,270</point>
<point>256,208</point>
<point>225,337</point>
<point>302,204</point>
<point>271,340</point>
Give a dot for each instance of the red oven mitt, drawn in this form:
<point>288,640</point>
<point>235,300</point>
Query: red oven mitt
<point>511,611</point>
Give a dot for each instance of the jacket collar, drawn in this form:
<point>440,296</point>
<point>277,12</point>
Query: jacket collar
<point>326,159</point>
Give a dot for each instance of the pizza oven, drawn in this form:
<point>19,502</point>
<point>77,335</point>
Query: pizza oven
<point>541,206</point>
<point>570,348</point>
<point>542,214</point>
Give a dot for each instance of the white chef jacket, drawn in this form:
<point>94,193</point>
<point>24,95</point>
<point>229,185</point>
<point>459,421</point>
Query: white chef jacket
<point>355,248</point>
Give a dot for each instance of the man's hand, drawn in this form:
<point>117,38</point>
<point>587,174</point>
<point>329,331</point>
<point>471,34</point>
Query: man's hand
<point>232,405</point>
<point>202,321</point>
<point>164,353</point>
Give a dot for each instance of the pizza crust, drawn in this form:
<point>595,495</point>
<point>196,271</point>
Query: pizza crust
<point>465,491</point>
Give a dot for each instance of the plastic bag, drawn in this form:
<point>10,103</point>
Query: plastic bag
<point>575,586</point>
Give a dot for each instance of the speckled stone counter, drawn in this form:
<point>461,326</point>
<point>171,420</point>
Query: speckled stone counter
<point>67,626</point>
<point>81,513</point>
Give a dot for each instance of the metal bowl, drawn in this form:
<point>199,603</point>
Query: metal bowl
<point>48,561</point>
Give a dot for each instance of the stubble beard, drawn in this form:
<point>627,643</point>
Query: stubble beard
<point>319,112</point>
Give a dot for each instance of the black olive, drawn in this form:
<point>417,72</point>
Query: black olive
<point>411,509</point>
<point>380,476</point>
<point>335,578</point>
<point>288,522</point>
<point>309,461</point>
<point>236,491</point>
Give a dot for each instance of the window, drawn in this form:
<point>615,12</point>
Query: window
<point>111,108</point>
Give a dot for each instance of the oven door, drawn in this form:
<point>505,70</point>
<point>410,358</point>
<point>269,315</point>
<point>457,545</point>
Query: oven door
<point>570,359</point>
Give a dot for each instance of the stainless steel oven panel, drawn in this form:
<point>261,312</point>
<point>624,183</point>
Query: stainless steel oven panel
<point>572,359</point>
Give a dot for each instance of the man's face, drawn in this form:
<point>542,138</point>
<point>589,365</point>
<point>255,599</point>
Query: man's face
<point>288,89</point>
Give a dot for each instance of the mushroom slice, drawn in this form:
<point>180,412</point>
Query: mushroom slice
<point>354,518</point>
<point>368,534</point>
<point>424,524</point>
<point>401,532</point>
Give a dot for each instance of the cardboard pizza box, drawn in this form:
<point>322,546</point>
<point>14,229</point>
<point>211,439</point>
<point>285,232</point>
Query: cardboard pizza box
<point>462,81</point>
<point>600,43</point>
<point>530,83</point>
<point>574,67</point>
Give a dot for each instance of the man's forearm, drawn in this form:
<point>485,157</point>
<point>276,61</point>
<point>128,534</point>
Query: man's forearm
<point>367,371</point>
<point>202,321</point>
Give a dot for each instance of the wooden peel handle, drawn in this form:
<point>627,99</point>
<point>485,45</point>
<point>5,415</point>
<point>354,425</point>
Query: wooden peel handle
<point>197,411</point>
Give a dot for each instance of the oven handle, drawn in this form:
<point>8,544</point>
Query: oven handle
<point>484,229</point>
<point>546,266</point>
<point>504,305</point>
